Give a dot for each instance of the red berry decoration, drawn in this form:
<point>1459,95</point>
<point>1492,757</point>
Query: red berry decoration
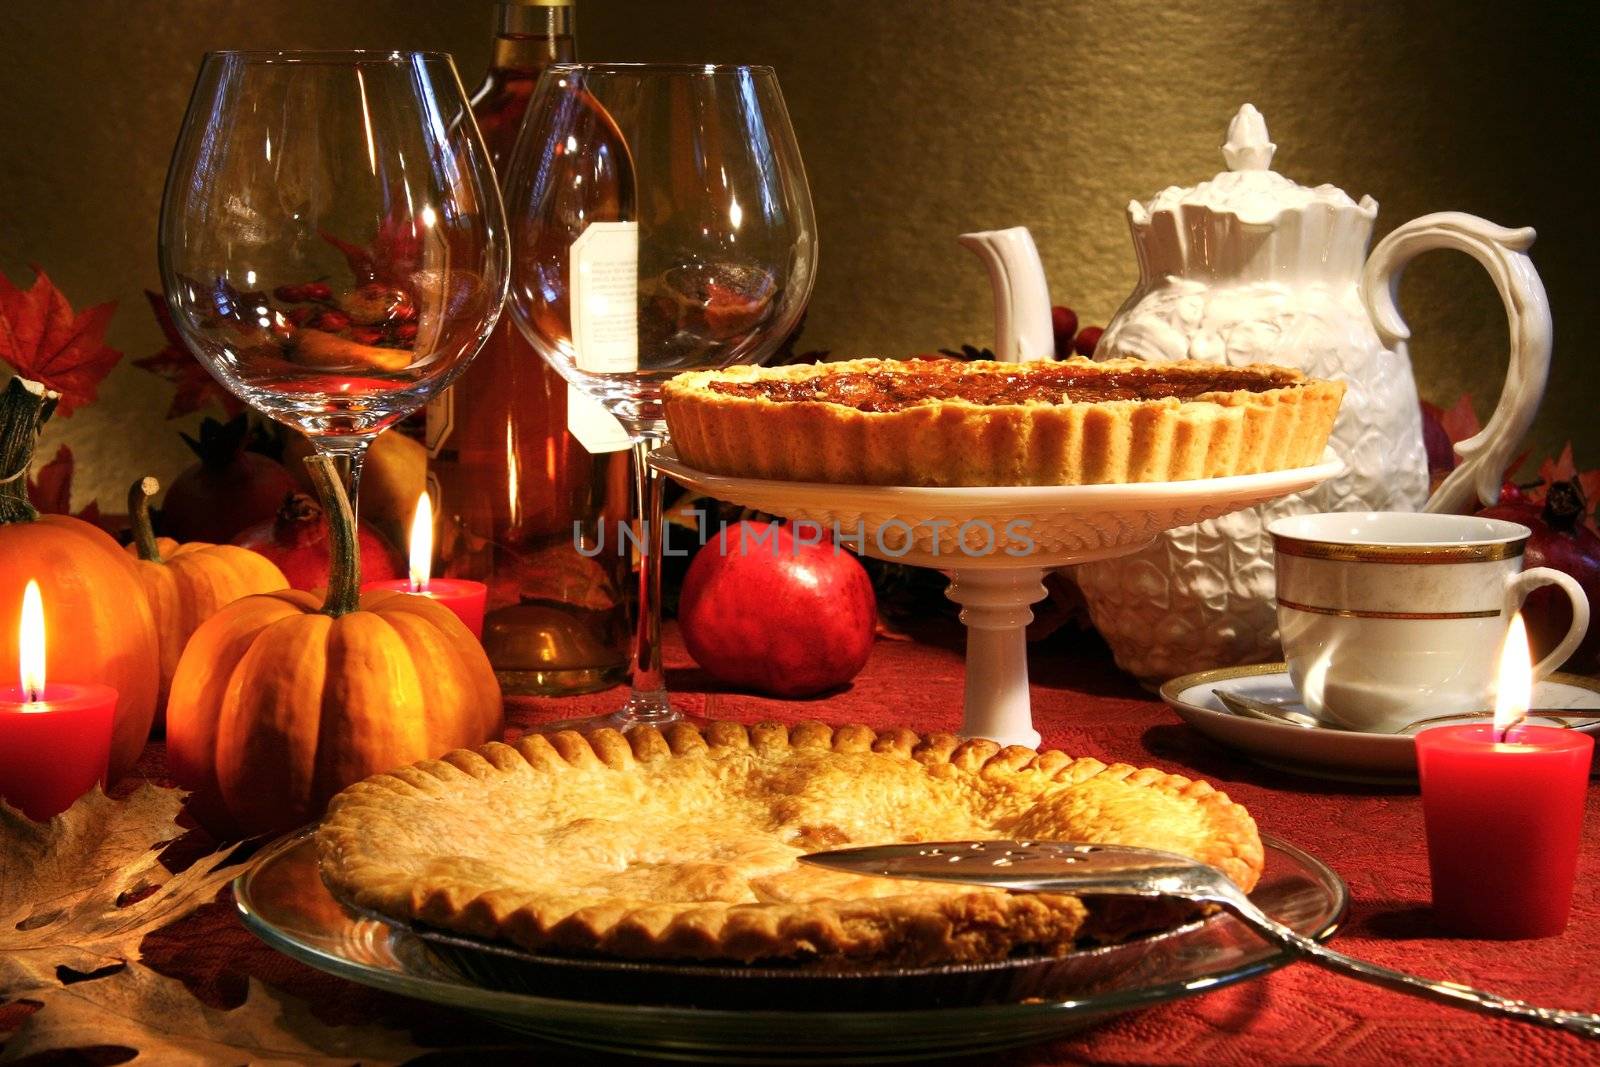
<point>316,291</point>
<point>1512,493</point>
<point>1560,540</point>
<point>332,321</point>
<point>764,610</point>
<point>1087,338</point>
<point>290,294</point>
<point>1064,321</point>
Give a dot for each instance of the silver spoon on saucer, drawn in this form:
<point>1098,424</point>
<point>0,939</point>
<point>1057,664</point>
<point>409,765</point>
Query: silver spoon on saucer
<point>1068,867</point>
<point>1266,711</point>
<point>1252,708</point>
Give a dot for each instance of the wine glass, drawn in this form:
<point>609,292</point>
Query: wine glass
<point>332,238</point>
<point>660,223</point>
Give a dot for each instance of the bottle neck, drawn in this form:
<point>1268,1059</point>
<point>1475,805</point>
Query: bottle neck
<point>531,36</point>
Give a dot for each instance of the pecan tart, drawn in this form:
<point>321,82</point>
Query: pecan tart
<point>683,843</point>
<point>948,422</point>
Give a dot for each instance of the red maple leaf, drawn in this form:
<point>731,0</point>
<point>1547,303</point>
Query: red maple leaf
<point>175,363</point>
<point>1460,422</point>
<point>51,490</point>
<point>396,251</point>
<point>45,340</point>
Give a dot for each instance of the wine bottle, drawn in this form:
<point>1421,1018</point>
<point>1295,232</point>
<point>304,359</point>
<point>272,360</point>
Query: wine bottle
<point>518,493</point>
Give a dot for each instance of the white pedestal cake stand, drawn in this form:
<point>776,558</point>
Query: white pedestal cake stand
<point>996,542</point>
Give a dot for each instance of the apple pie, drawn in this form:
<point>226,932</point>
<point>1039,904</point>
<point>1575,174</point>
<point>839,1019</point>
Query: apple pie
<point>948,422</point>
<point>682,843</point>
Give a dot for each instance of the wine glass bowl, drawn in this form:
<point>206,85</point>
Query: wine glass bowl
<point>701,161</point>
<point>660,222</point>
<point>332,239</point>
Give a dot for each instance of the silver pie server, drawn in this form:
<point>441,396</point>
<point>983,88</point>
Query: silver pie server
<point>1067,867</point>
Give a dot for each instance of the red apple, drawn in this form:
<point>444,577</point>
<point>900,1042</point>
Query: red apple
<point>781,614</point>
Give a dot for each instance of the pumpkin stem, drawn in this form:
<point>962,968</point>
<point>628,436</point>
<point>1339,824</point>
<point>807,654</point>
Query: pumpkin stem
<point>139,494</point>
<point>344,547</point>
<point>24,407</point>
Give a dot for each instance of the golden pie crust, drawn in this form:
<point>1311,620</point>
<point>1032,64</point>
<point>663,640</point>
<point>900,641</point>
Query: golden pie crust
<point>682,843</point>
<point>948,422</point>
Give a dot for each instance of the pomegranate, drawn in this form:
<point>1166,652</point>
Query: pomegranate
<point>1560,540</point>
<point>227,490</point>
<point>765,610</point>
<point>296,539</point>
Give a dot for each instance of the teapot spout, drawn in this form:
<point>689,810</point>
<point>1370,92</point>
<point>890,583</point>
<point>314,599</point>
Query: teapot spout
<point>1022,330</point>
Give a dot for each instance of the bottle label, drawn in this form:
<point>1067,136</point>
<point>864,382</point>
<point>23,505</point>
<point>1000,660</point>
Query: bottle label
<point>596,429</point>
<point>604,287</point>
<point>441,414</point>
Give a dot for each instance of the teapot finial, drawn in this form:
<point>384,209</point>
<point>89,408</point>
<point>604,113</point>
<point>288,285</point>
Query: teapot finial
<point>1248,147</point>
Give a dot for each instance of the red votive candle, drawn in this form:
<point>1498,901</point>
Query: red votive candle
<point>1503,820</point>
<point>465,598</point>
<point>53,749</point>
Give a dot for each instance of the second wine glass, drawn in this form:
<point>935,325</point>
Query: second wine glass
<point>660,222</point>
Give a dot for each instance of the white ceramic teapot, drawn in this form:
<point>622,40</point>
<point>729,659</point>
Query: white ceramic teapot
<point>1251,267</point>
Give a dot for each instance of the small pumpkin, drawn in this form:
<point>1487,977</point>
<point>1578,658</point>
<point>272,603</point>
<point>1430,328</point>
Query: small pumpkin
<point>188,583</point>
<point>280,700</point>
<point>98,625</point>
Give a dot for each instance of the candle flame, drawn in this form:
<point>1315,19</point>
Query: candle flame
<point>1514,691</point>
<point>421,544</point>
<point>30,643</point>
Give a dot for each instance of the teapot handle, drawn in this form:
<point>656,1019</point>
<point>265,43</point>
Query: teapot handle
<point>1503,253</point>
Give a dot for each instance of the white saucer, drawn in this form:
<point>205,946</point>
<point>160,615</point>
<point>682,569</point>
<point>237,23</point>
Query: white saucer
<point>1342,755</point>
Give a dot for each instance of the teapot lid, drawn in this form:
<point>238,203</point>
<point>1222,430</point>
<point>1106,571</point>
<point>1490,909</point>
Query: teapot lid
<point>1249,189</point>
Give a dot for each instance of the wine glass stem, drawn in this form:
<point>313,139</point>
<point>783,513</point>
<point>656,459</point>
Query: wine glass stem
<point>648,702</point>
<point>347,454</point>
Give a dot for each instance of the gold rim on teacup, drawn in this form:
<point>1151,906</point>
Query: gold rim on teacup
<point>1494,540</point>
<point>1349,552</point>
<point>1362,613</point>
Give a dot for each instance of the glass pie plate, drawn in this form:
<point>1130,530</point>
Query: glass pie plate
<point>283,901</point>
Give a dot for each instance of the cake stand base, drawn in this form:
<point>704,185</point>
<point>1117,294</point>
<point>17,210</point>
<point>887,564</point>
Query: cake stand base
<point>996,543</point>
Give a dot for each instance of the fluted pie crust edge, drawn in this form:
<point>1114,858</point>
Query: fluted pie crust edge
<point>954,442</point>
<point>480,842</point>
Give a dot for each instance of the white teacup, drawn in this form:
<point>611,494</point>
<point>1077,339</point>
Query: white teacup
<point>1388,617</point>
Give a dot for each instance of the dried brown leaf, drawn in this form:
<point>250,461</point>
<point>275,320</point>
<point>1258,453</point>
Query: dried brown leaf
<point>139,1009</point>
<point>63,884</point>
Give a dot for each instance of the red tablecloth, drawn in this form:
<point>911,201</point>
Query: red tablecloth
<point>1083,705</point>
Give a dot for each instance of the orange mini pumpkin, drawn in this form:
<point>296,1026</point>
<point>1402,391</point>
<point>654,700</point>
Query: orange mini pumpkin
<point>280,701</point>
<point>98,626</point>
<point>188,583</point>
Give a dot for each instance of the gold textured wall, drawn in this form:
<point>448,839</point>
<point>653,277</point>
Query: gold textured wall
<point>918,119</point>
